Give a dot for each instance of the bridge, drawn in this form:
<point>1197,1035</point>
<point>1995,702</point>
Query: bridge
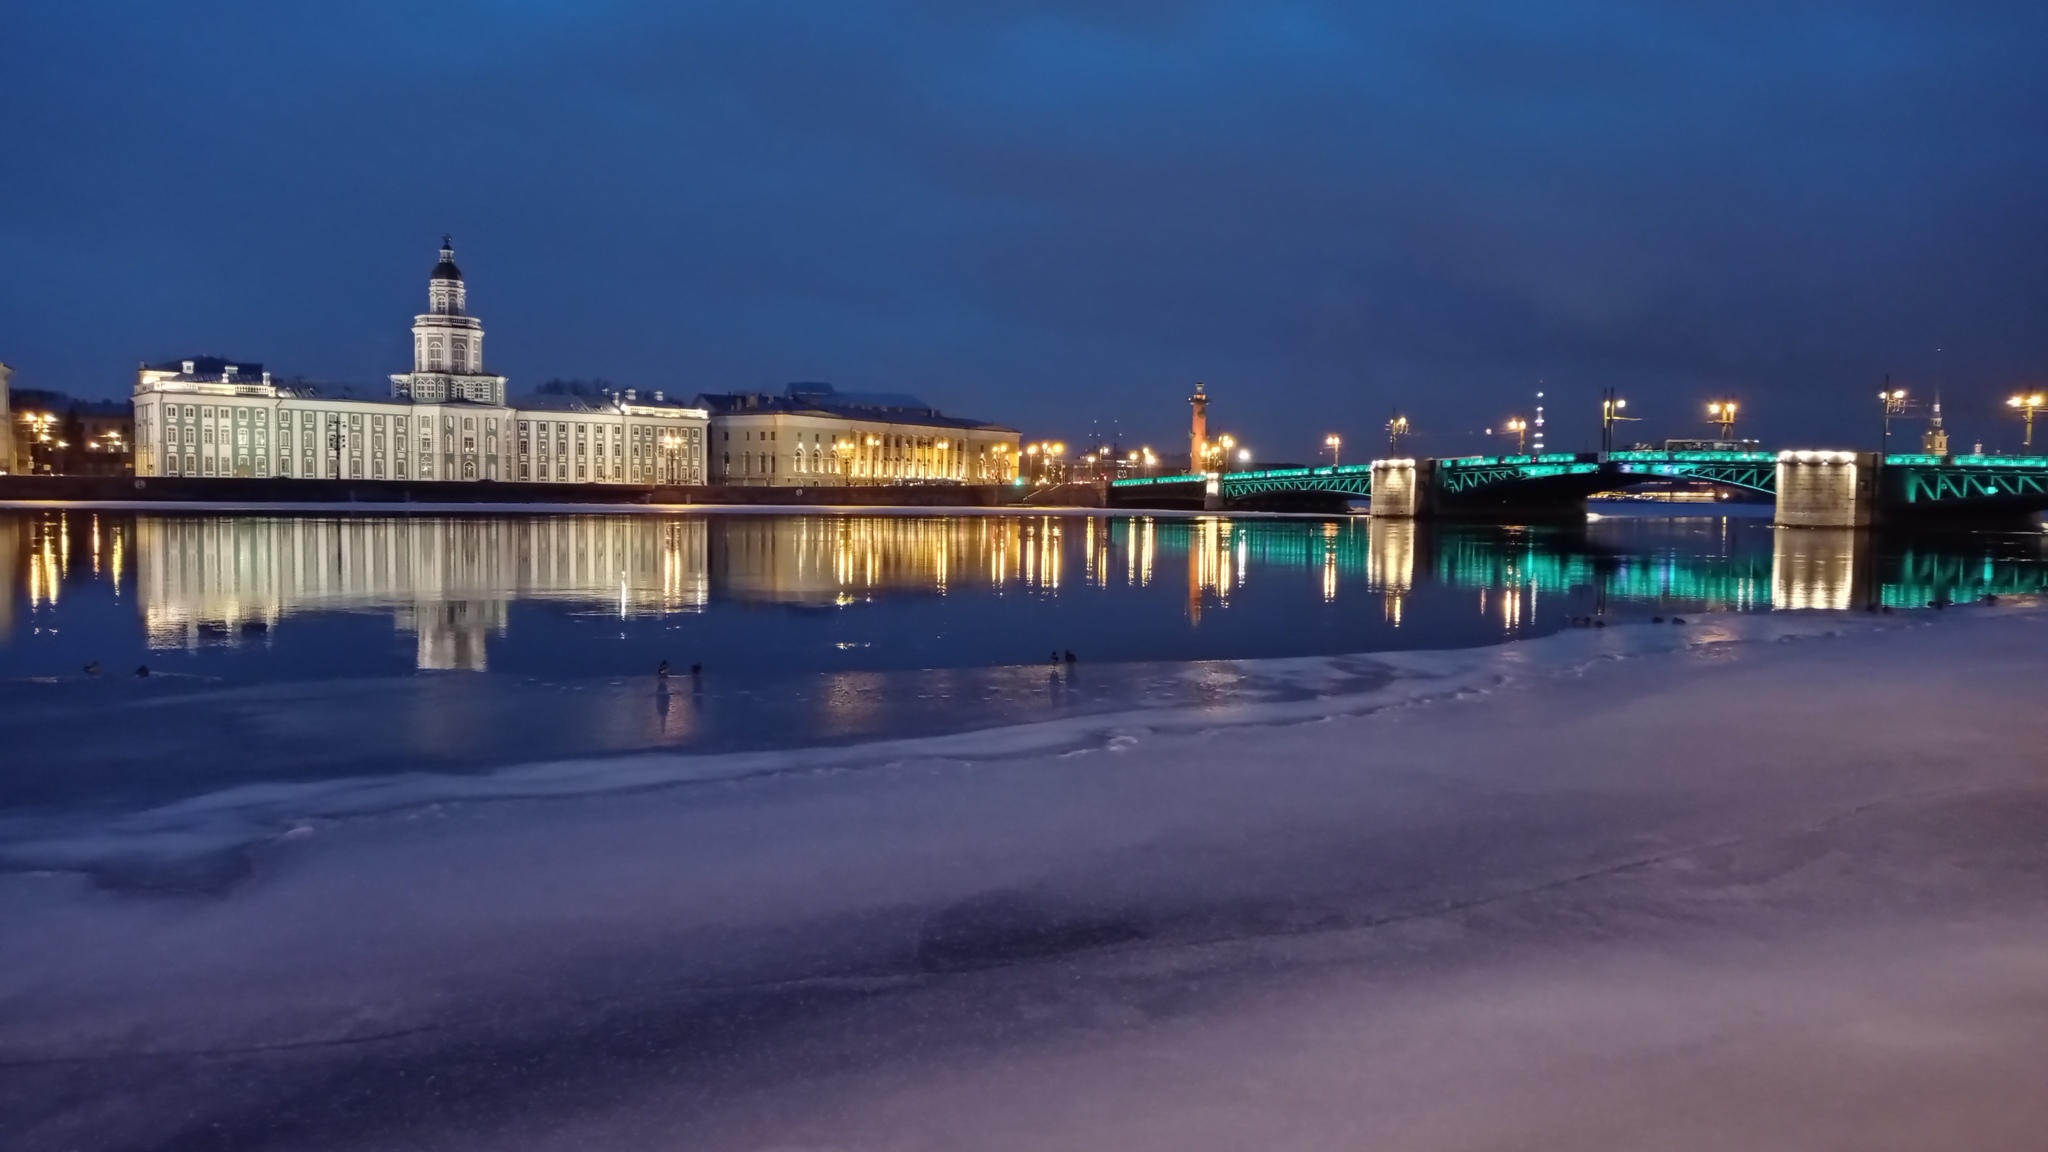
<point>1811,488</point>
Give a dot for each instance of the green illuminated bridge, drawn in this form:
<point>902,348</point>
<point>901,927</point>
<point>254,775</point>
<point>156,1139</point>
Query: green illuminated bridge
<point>1812,488</point>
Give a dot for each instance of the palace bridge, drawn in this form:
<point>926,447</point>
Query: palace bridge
<point>1821,489</point>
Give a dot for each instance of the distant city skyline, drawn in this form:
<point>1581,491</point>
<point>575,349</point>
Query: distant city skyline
<point>1061,219</point>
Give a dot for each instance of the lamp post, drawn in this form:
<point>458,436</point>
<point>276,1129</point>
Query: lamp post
<point>1519,429</point>
<point>2028,404</point>
<point>1611,407</point>
<point>1893,402</point>
<point>1335,444</point>
<point>1397,427</point>
<point>1722,412</point>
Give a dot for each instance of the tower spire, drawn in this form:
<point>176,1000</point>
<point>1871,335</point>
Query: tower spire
<point>1934,442</point>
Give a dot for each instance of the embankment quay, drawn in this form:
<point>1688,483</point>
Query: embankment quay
<point>1811,488</point>
<point>484,494</point>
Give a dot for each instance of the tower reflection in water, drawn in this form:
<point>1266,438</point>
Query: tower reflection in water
<point>451,582</point>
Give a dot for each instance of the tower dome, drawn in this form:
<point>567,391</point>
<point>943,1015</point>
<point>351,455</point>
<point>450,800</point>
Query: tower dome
<point>446,269</point>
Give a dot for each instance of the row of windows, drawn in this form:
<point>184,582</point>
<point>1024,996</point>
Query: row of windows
<point>822,464</point>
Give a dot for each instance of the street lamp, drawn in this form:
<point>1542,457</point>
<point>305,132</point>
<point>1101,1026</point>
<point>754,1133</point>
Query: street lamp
<point>1722,412</point>
<point>2028,404</point>
<point>1519,429</point>
<point>1397,427</point>
<point>1893,401</point>
<point>1335,444</point>
<point>1611,407</point>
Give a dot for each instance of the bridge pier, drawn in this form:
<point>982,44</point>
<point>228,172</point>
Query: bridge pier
<point>1827,489</point>
<point>1398,489</point>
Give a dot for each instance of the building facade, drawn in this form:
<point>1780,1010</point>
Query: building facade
<point>6,423</point>
<point>447,420</point>
<point>814,436</point>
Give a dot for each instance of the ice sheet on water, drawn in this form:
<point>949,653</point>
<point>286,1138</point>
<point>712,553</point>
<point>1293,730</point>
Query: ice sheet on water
<point>348,748</point>
<point>1586,892</point>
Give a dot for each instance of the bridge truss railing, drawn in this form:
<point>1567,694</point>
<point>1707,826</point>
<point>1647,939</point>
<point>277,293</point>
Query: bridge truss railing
<point>1929,479</point>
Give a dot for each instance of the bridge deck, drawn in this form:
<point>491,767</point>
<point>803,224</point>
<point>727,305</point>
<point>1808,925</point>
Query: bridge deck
<point>1523,482</point>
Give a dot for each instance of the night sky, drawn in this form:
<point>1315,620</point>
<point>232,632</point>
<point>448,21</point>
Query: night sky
<point>1057,214</point>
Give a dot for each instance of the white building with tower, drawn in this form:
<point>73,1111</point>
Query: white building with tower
<point>446,420</point>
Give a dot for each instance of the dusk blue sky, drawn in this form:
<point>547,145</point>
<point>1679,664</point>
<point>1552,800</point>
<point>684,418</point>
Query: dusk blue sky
<point>1057,214</point>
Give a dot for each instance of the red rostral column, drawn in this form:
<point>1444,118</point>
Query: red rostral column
<point>1198,436</point>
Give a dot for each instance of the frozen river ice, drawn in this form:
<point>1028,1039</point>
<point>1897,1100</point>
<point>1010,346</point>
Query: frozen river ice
<point>1756,881</point>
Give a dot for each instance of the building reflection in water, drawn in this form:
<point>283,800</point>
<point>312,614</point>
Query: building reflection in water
<point>449,582</point>
<point>227,580</point>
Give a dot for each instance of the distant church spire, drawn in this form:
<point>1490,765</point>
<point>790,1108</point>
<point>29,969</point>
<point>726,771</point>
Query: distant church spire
<point>1934,442</point>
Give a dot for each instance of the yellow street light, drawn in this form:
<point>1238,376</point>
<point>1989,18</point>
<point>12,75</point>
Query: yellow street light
<point>1722,412</point>
<point>1611,407</point>
<point>1335,444</point>
<point>1519,428</point>
<point>2028,404</point>
<point>1397,427</point>
<point>1893,402</point>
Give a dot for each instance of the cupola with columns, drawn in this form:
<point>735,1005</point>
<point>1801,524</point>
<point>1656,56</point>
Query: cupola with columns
<point>448,344</point>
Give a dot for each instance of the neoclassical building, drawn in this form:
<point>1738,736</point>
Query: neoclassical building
<point>813,435</point>
<point>447,419</point>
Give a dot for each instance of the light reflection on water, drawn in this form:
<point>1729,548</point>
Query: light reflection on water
<point>297,647</point>
<point>191,584</point>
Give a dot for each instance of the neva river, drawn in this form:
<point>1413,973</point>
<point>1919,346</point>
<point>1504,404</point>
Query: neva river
<point>1336,834</point>
<point>297,647</point>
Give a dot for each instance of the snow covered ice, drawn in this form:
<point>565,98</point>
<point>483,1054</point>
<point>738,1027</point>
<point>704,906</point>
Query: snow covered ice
<point>1757,882</point>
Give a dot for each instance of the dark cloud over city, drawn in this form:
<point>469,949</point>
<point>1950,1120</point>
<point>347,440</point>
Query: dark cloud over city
<point>1057,214</point>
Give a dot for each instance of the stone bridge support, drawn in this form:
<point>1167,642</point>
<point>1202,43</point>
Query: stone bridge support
<point>1827,489</point>
<point>1399,488</point>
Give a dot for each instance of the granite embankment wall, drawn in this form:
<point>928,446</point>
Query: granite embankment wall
<point>232,491</point>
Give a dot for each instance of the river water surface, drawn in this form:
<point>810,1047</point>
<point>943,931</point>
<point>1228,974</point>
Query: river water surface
<point>288,648</point>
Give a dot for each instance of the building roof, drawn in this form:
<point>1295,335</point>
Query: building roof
<point>212,368</point>
<point>446,269</point>
<point>881,401</point>
<point>604,402</point>
<point>824,400</point>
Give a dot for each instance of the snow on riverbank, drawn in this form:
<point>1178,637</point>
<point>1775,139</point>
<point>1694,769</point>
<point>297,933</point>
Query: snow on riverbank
<point>1757,882</point>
